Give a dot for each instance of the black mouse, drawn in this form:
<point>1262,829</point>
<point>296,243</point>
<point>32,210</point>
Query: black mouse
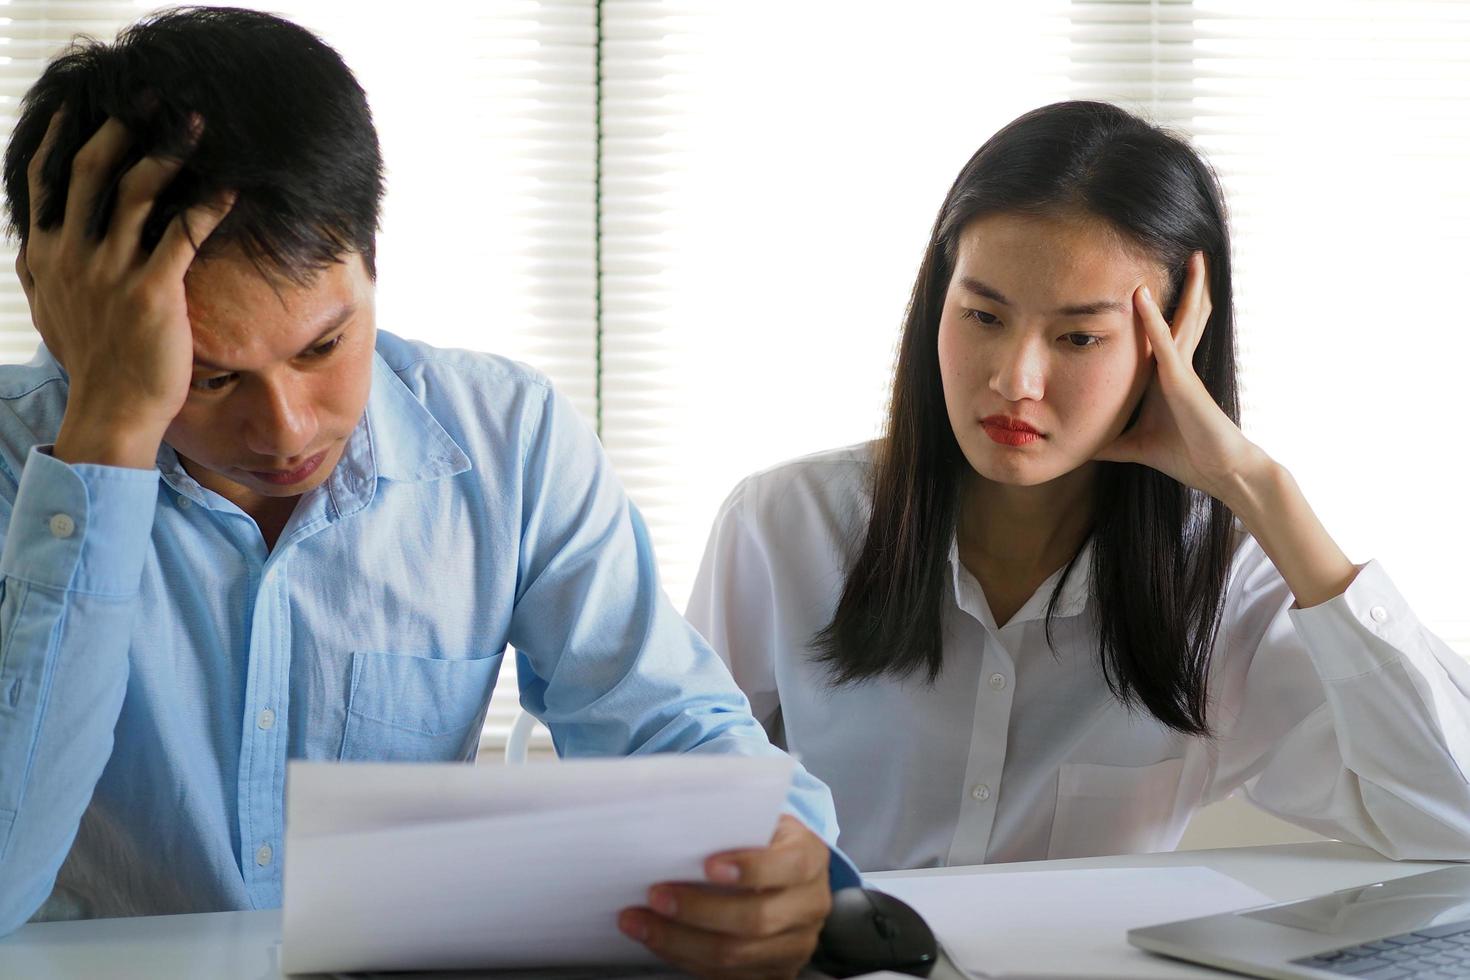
<point>868,930</point>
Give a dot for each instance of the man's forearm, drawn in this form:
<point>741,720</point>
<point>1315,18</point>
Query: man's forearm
<point>71,561</point>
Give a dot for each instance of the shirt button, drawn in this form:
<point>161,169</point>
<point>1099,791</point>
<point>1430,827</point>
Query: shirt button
<point>1379,614</point>
<point>981,792</point>
<point>62,525</point>
<point>998,681</point>
<point>266,720</point>
<point>263,855</point>
<point>183,502</point>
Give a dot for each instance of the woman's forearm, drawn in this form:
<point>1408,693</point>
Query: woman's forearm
<point>1271,505</point>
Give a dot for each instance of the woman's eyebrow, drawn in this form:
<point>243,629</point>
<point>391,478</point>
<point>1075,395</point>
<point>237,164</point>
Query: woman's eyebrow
<point>1094,308</point>
<point>979,288</point>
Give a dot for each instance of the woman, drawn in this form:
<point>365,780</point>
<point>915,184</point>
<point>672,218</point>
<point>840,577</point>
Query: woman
<point>1063,601</point>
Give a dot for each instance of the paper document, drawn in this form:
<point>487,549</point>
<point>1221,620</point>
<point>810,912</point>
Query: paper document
<point>1065,923</point>
<point>399,866</point>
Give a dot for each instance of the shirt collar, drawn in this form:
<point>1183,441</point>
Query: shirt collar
<point>1072,602</point>
<point>396,439</point>
<point>407,443</point>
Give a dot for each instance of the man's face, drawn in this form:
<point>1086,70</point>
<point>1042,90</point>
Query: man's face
<point>281,377</point>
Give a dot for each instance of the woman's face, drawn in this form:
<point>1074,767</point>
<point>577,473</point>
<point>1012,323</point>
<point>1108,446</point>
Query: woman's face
<point>1042,356</point>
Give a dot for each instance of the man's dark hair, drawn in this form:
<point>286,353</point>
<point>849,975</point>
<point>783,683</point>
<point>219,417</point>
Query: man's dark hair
<point>286,126</point>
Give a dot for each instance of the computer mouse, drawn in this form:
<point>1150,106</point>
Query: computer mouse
<point>868,931</point>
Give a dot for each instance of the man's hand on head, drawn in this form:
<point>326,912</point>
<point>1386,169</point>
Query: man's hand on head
<point>112,314</point>
<point>759,916</point>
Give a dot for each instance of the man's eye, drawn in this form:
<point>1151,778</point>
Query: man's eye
<point>217,383</point>
<point>981,316</point>
<point>322,350</point>
<point>1083,339</point>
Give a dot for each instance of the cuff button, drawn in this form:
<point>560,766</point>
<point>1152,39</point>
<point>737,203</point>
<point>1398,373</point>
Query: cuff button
<point>62,526</point>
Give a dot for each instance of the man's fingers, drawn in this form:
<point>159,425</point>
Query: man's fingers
<point>742,913</point>
<point>795,855</point>
<point>136,195</point>
<point>139,190</point>
<point>91,170</point>
<point>705,953</point>
<point>186,233</point>
<point>33,169</point>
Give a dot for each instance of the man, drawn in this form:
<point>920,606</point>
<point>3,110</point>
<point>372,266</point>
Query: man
<point>241,526</point>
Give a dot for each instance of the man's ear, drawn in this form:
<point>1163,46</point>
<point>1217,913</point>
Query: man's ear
<point>27,281</point>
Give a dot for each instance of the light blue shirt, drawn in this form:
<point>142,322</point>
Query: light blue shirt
<point>159,665</point>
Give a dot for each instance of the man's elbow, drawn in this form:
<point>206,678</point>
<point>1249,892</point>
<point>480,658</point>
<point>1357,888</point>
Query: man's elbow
<point>18,902</point>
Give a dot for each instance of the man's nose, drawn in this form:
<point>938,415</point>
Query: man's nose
<point>282,423</point>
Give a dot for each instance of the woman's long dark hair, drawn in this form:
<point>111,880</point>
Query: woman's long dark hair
<point>1161,552</point>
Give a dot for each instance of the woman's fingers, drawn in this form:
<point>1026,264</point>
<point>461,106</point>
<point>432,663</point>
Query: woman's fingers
<point>1156,328</point>
<point>1200,309</point>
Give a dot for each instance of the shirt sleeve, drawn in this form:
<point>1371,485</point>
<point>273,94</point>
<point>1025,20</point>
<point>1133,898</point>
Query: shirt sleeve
<point>732,606</point>
<point>1348,718</point>
<point>75,539</point>
<point>604,659</point>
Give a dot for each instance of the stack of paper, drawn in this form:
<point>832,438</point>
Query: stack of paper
<point>394,866</point>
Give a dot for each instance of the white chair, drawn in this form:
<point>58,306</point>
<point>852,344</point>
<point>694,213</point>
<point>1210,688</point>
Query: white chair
<point>518,745</point>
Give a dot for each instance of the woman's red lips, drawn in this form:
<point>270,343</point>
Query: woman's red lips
<point>1008,431</point>
<point>1006,422</point>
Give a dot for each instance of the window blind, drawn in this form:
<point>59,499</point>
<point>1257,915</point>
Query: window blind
<point>1341,132</point>
<point>770,172</point>
<point>769,175</point>
<point>31,34</point>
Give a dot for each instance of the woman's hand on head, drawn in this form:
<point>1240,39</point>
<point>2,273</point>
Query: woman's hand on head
<point>1180,431</point>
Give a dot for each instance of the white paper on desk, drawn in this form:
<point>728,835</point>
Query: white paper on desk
<point>1065,923</point>
<point>396,866</point>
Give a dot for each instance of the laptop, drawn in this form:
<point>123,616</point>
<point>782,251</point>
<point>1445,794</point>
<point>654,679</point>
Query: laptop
<point>1417,926</point>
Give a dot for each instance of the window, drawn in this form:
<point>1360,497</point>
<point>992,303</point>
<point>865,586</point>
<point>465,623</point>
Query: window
<point>771,170</point>
<point>703,219</point>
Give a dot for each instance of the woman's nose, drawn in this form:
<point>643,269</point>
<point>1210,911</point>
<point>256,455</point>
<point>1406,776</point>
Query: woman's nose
<point>1020,371</point>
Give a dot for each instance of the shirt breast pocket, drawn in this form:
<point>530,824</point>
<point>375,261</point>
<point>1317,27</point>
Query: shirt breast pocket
<point>1116,809</point>
<point>416,709</point>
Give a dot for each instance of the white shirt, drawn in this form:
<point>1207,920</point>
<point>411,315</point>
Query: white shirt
<point>1348,718</point>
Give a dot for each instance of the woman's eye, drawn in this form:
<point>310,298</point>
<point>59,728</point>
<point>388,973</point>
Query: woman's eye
<point>1083,339</point>
<point>981,316</point>
<point>217,383</point>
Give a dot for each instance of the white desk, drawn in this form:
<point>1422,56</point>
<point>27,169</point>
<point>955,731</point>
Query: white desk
<point>244,945</point>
